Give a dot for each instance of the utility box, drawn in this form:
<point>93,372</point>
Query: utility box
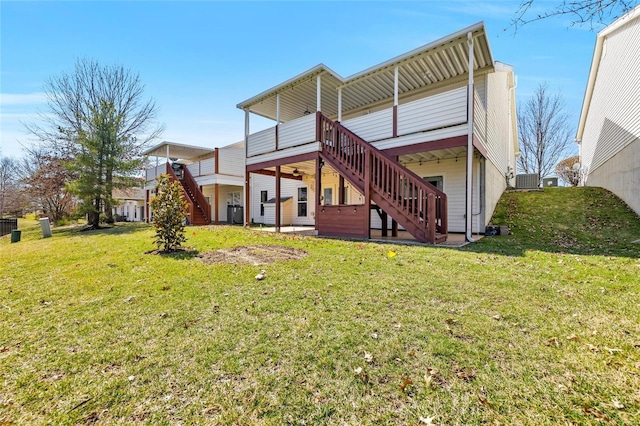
<point>527,181</point>
<point>15,235</point>
<point>46,227</point>
<point>549,182</point>
<point>235,215</point>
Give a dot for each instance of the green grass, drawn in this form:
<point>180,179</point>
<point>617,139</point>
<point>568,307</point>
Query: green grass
<point>510,330</point>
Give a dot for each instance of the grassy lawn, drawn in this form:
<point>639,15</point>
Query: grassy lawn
<point>540,327</point>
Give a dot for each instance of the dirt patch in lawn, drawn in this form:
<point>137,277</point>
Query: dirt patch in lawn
<point>251,255</point>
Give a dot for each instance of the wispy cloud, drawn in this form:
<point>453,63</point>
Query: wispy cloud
<point>12,99</point>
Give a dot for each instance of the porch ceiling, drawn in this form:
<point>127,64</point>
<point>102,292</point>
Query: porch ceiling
<point>177,150</point>
<point>444,59</point>
<point>440,154</point>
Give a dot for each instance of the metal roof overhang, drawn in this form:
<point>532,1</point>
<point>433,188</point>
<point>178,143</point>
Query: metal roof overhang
<point>440,61</point>
<point>177,150</point>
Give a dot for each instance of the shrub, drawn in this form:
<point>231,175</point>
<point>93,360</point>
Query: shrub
<point>169,213</point>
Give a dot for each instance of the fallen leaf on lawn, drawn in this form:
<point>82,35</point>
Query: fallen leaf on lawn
<point>450,321</point>
<point>368,357</point>
<point>613,350</point>
<point>391,254</point>
<point>573,337</point>
<point>496,317</point>
<point>486,403</point>
<point>406,382</point>
<point>553,342</point>
<point>358,370</point>
<point>618,404</point>
<point>426,421</point>
<point>374,335</point>
<point>593,348</point>
<point>595,412</point>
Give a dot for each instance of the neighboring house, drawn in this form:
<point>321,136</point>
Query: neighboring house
<point>422,141</point>
<point>609,128</point>
<point>128,204</point>
<point>212,179</point>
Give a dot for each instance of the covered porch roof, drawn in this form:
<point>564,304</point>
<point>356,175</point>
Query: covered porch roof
<point>177,150</point>
<point>442,60</point>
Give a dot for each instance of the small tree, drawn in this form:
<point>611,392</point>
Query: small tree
<point>169,213</point>
<point>568,171</point>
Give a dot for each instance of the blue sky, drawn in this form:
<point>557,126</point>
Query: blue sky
<point>199,59</point>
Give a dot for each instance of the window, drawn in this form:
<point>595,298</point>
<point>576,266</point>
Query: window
<point>436,181</point>
<point>328,196</point>
<point>302,202</point>
<point>263,199</point>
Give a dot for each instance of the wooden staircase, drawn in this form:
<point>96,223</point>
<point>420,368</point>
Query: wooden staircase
<point>199,208</point>
<point>411,201</point>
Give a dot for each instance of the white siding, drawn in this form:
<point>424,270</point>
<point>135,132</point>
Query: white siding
<point>444,109</point>
<point>284,153</point>
<point>223,191</point>
<point>231,161</point>
<point>372,127</point>
<point>261,142</point>
<point>495,185</point>
<point>613,118</point>
<point>154,172</point>
<point>297,132</point>
<point>498,140</point>
<point>288,188</point>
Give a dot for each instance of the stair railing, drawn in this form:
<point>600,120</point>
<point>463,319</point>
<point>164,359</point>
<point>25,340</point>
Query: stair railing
<point>172,173</point>
<point>419,201</point>
<point>195,190</point>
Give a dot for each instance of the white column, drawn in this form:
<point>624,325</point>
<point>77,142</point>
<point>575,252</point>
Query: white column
<point>319,93</point>
<point>278,108</point>
<point>469,183</point>
<point>395,86</point>
<point>339,103</point>
<point>167,153</point>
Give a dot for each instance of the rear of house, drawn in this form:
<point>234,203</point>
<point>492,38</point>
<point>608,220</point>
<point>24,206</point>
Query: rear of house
<point>609,128</point>
<point>212,179</point>
<point>423,142</point>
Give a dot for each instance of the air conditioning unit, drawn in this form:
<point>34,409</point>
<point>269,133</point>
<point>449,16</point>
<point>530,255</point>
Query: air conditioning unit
<point>527,181</point>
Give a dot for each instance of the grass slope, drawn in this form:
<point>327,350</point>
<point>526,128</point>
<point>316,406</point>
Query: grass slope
<point>508,331</point>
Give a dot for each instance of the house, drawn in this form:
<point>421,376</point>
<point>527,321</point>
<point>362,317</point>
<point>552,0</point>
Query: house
<point>129,204</point>
<point>423,141</point>
<point>609,127</point>
<point>212,178</point>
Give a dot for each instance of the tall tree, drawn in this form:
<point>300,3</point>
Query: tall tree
<point>100,121</point>
<point>544,132</point>
<point>591,12</point>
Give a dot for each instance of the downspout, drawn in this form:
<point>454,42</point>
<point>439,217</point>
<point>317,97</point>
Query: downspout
<point>469,178</point>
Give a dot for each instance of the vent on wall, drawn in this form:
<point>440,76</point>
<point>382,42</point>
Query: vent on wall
<point>528,181</point>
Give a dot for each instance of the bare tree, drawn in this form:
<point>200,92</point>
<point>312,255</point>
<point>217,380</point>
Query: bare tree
<point>98,119</point>
<point>568,170</point>
<point>543,131</point>
<point>12,199</point>
<point>45,179</point>
<point>592,12</point>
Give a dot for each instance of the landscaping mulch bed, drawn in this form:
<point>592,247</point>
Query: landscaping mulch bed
<point>251,255</point>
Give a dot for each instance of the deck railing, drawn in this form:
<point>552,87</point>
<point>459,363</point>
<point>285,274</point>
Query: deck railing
<point>171,173</point>
<point>420,203</point>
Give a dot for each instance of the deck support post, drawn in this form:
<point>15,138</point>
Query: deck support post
<point>367,190</point>
<point>394,228</point>
<point>146,207</point>
<point>395,102</point>
<point>469,181</point>
<point>278,206</point>
<point>385,224</point>
<point>216,196</point>
<point>247,198</point>
<point>318,189</point>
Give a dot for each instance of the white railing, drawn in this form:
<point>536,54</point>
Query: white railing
<point>154,172</point>
<point>372,127</point>
<point>297,132</point>
<point>433,112</point>
<point>261,142</point>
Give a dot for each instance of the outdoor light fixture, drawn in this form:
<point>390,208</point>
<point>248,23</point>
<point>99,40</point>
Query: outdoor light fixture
<point>295,172</point>
<point>306,111</point>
